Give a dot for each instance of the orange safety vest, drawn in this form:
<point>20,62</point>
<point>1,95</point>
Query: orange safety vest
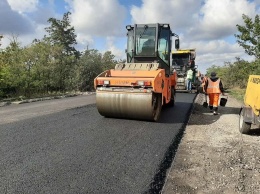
<point>213,87</point>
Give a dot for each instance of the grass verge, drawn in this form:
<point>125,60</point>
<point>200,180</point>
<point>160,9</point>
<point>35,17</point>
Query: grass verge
<point>237,93</point>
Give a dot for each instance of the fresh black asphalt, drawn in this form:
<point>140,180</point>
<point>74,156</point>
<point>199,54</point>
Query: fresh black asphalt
<point>78,151</point>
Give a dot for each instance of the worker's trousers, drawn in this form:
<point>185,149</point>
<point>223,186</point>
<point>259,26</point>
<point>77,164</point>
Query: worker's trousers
<point>189,84</point>
<point>213,101</point>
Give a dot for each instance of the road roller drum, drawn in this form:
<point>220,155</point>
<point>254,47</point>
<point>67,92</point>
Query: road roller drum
<point>144,106</point>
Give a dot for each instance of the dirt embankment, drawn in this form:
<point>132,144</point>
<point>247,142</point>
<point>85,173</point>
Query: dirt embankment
<point>213,157</point>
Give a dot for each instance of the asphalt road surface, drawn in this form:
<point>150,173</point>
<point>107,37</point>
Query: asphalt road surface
<point>66,146</point>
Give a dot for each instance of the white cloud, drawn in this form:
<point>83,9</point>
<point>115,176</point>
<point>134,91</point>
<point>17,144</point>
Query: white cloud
<point>215,52</point>
<point>110,45</point>
<point>85,42</point>
<point>23,6</point>
<point>219,18</point>
<point>179,13</point>
<point>102,18</point>
<point>207,25</point>
<point>209,19</point>
<point>13,22</point>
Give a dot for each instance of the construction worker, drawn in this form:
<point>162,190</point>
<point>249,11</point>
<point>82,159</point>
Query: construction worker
<point>189,79</point>
<point>213,87</point>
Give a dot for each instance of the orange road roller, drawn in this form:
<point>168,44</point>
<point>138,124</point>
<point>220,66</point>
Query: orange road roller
<point>140,87</point>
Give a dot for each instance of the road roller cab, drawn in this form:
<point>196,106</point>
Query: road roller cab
<point>140,87</point>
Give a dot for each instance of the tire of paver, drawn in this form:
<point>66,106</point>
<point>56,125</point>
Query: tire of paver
<point>244,127</point>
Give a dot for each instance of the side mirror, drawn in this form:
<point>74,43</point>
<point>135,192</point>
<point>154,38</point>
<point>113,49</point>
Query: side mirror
<point>177,44</point>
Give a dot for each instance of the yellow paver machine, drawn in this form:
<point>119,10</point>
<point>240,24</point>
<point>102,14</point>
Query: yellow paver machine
<point>250,112</point>
<point>182,61</point>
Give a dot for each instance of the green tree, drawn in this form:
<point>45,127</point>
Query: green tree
<point>30,70</point>
<point>13,68</point>
<point>91,64</point>
<point>249,35</point>
<point>39,59</point>
<point>235,75</point>
<point>108,60</point>
<point>62,34</point>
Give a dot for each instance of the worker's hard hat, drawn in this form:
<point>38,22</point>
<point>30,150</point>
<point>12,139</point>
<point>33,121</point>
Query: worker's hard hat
<point>213,74</point>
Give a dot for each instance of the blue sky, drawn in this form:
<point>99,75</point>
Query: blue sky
<point>207,25</point>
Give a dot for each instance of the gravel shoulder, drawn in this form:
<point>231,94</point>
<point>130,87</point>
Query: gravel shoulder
<point>213,157</point>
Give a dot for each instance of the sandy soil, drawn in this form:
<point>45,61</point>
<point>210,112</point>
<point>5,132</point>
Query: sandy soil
<point>213,156</point>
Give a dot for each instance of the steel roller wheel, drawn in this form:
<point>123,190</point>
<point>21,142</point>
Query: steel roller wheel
<point>143,106</point>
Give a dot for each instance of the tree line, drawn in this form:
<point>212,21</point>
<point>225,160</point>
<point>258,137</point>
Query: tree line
<point>51,64</point>
<point>235,75</point>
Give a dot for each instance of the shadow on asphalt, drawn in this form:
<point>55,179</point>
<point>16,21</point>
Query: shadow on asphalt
<point>221,110</point>
<point>177,114</point>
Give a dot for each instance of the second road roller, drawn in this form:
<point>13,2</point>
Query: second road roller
<point>138,88</point>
